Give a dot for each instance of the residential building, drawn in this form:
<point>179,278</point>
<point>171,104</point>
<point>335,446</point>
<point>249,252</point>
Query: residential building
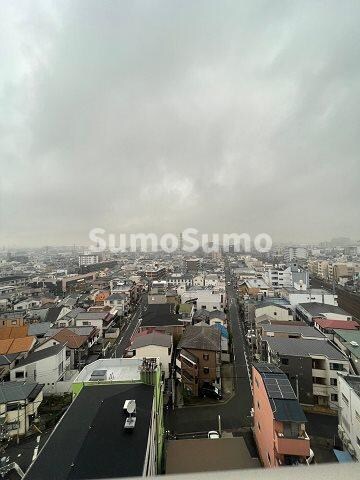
<point>199,358</point>
<point>275,311</point>
<point>206,298</point>
<point>112,429</point>
<point>256,287</point>
<point>316,295</point>
<point>309,311</point>
<point>278,420</point>
<point>153,345</point>
<point>311,366</point>
<point>46,366</point>
<point>88,259</point>
<point>119,301</point>
<point>192,264</point>
<point>348,341</point>
<point>162,318</point>
<point>349,414</point>
<point>328,327</point>
<point>19,405</point>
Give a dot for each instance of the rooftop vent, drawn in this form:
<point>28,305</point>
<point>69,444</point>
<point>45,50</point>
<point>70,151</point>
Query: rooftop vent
<point>354,344</point>
<point>98,375</point>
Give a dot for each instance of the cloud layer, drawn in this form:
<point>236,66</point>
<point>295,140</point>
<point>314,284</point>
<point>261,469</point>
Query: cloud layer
<point>156,116</point>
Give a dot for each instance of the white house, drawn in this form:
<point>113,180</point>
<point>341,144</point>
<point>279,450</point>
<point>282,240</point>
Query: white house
<point>349,413</point>
<point>205,298</point>
<point>316,295</point>
<point>154,345</point>
<point>119,301</point>
<point>19,404</point>
<point>27,304</point>
<point>44,366</point>
<point>275,311</point>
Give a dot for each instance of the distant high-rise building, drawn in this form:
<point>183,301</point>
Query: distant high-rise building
<point>294,253</point>
<point>88,259</point>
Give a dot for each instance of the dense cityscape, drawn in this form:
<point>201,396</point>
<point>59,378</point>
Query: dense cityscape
<point>251,360</point>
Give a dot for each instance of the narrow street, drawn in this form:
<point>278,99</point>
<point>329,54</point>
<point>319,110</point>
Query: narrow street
<point>235,414</point>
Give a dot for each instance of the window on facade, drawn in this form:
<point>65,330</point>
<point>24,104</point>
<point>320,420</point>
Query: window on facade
<point>206,370</point>
<point>336,366</point>
<point>259,426</point>
<point>284,361</point>
<point>258,405</point>
<point>333,381</point>
<point>269,459</point>
<point>357,415</point>
<point>206,356</point>
<point>345,399</point>
<point>334,397</point>
<point>19,374</point>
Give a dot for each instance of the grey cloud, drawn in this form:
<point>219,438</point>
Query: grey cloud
<point>159,115</point>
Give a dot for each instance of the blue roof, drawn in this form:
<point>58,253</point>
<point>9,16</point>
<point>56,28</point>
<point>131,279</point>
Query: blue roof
<point>222,329</point>
<point>343,457</point>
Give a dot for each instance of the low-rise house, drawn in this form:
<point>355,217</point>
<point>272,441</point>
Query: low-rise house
<point>162,318</point>
<point>349,414</point>
<point>27,304</point>
<point>199,358</point>
<point>304,295</point>
<point>78,342</point>
<point>279,421</point>
<point>311,366</point>
<point>309,311</point>
<point>256,287</point>
<point>210,317</point>
<point>46,366</point>
<point>119,301</point>
<point>328,326</point>
<point>290,331</point>
<point>275,311</point>
<point>19,404</point>
<point>154,345</point>
<point>206,298</point>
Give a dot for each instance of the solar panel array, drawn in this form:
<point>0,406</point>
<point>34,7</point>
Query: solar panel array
<point>267,368</point>
<point>278,387</point>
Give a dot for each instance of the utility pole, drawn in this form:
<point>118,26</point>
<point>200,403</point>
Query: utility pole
<point>219,424</point>
<point>18,425</point>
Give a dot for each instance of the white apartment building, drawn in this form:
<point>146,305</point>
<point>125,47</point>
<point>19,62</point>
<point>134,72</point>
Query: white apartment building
<point>204,298</point>
<point>88,259</point>
<point>316,295</point>
<point>349,413</point>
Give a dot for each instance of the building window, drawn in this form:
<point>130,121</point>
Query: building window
<point>357,415</point>
<point>259,426</point>
<point>12,426</point>
<point>337,366</point>
<point>269,459</point>
<point>358,441</point>
<point>345,399</point>
<point>334,397</point>
<point>333,381</point>
<point>19,374</point>
<point>206,356</point>
<point>258,405</point>
<point>284,361</point>
<point>206,370</point>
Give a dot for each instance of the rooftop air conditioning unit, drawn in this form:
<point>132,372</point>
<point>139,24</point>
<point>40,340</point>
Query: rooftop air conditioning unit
<point>354,344</point>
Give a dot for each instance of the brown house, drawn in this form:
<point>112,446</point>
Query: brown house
<point>199,358</point>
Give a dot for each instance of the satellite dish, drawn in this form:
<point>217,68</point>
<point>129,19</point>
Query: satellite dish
<point>131,407</point>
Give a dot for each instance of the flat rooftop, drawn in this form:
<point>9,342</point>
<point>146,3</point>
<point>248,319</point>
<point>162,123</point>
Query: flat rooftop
<point>90,441</point>
<point>118,370</point>
<point>206,454</point>
<point>304,347</point>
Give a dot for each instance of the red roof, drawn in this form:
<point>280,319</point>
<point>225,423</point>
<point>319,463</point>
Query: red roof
<point>341,324</point>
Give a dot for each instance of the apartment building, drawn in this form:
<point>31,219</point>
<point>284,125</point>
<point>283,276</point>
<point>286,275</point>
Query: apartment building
<point>88,259</point>
<point>311,366</point>
<point>275,311</point>
<point>303,295</point>
<point>278,420</point>
<point>308,312</point>
<point>205,298</point>
<point>349,414</point>
<point>199,358</point>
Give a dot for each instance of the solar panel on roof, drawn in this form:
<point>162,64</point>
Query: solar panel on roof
<point>279,388</point>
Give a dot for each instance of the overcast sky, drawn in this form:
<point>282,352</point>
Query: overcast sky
<point>141,116</point>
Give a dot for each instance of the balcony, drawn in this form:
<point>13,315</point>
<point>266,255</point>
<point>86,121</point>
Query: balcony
<point>298,446</point>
